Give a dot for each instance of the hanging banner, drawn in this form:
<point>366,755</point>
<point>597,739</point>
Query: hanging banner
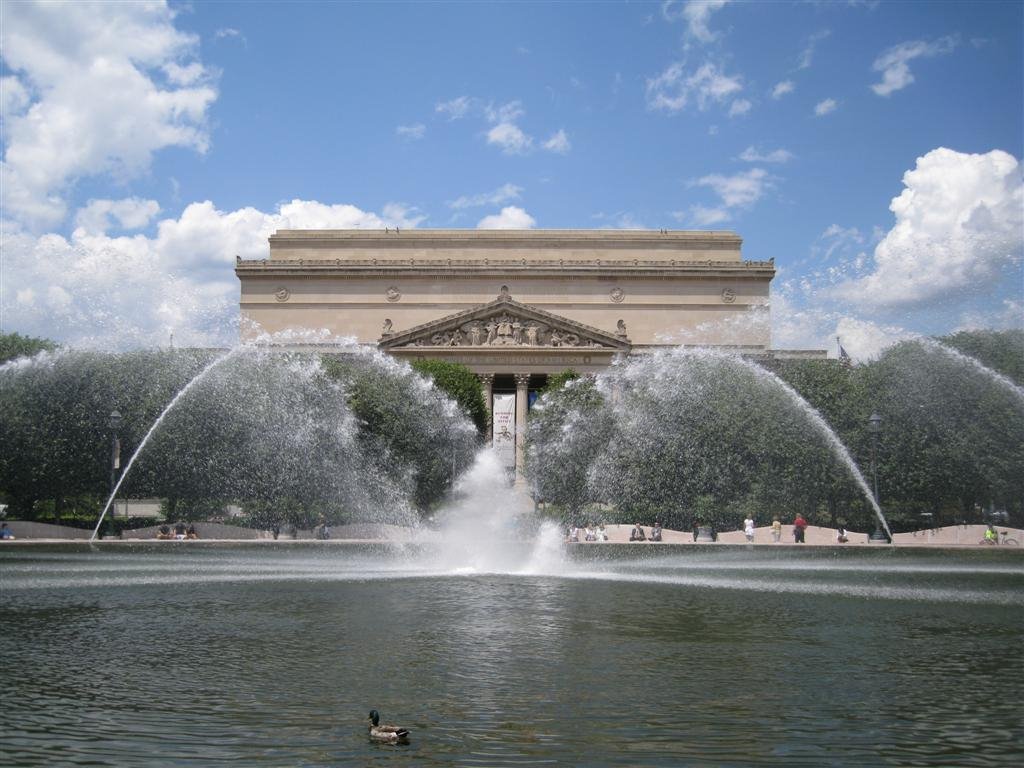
<point>503,435</point>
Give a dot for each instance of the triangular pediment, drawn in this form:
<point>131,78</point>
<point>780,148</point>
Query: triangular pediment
<point>505,324</point>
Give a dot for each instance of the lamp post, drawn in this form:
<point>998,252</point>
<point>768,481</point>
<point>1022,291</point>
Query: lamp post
<point>115,459</point>
<point>874,427</point>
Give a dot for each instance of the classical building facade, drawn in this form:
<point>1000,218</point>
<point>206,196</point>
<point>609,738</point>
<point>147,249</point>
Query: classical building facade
<point>514,306</point>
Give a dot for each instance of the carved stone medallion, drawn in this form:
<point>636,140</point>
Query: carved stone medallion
<point>392,293</point>
<point>728,295</point>
<point>617,294</point>
<point>282,293</point>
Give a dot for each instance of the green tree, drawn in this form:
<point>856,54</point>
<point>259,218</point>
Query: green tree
<point>460,384</point>
<point>14,345</point>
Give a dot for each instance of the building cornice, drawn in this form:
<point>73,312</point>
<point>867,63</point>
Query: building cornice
<point>300,268</point>
<point>504,238</point>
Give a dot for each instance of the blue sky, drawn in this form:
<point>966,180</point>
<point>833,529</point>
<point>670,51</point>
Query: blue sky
<point>146,144</point>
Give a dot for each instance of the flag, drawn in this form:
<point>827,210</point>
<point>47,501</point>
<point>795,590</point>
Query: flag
<point>844,359</point>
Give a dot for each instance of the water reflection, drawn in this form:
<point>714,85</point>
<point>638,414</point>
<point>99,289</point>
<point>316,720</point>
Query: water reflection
<point>273,656</point>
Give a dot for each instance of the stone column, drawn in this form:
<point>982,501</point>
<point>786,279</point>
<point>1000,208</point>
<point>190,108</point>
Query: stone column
<point>522,395</point>
<point>487,379</point>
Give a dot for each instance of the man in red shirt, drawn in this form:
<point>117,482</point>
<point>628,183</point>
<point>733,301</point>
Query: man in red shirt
<point>799,526</point>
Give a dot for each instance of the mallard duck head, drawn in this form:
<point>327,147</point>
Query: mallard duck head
<point>374,717</point>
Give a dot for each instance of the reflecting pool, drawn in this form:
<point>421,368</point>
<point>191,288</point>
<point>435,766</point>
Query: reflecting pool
<point>272,654</point>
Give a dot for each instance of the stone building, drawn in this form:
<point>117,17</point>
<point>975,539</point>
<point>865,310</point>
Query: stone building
<point>514,306</point>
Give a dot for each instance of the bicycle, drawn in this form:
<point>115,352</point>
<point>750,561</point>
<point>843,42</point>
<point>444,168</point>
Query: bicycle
<point>1003,539</point>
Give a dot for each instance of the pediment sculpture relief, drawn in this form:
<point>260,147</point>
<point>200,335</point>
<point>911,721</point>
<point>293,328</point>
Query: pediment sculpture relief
<point>503,330</point>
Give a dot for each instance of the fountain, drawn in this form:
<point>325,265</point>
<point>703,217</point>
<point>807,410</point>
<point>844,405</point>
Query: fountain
<point>673,426</point>
<point>487,635</point>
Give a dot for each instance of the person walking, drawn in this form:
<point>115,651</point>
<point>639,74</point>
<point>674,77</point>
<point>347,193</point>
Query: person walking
<point>799,527</point>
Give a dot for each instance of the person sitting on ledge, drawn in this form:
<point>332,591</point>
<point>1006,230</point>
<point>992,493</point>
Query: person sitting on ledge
<point>164,532</point>
<point>637,534</point>
<point>179,531</point>
<point>656,532</point>
<point>5,532</point>
<point>601,534</point>
<point>191,532</point>
<point>841,537</point>
<point>574,534</point>
<point>589,534</point>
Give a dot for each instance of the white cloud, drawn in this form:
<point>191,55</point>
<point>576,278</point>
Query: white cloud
<point>455,109</point>
<point>412,132</point>
<point>498,196</point>
<point>130,213</point>
<point>558,143</point>
<point>696,14</point>
<point>673,88</point>
<point>894,63</point>
<point>959,224</point>
<point>114,292</point>
<point>111,84</point>
<point>510,138</point>
<point>14,97</point>
<point>739,190</point>
<point>815,327</point>
<point>228,32</point>
<point>739,107</point>
<point>510,217</point>
<point>807,55</point>
<point>825,107</point>
<point>753,155</point>
<point>504,113</point>
<point>702,216</point>
<point>782,88</point>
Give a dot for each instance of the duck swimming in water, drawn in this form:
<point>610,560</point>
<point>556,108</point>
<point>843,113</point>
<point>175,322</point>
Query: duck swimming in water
<point>390,734</point>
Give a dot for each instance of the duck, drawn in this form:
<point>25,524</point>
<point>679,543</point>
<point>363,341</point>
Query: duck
<point>390,734</point>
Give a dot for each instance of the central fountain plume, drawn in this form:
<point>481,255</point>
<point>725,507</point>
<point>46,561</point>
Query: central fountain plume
<point>489,527</point>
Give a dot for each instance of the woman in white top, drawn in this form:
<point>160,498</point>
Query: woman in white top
<point>748,529</point>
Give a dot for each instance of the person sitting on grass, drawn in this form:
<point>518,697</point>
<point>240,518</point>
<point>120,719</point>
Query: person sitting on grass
<point>637,534</point>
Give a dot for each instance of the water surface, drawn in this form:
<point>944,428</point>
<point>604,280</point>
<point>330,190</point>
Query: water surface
<point>176,654</point>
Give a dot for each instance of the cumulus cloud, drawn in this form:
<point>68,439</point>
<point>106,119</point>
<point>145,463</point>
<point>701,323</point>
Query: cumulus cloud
<point>816,327</point>
<point>558,143</point>
<point>94,289</point>
<point>105,85</point>
<point>511,217</point>
<point>456,108</point>
<point>739,190</point>
<point>504,113</point>
<point>959,224</point>
<point>696,14</point>
<point>502,194</point>
<point>511,138</point>
<point>702,216</point>
<point>739,107</point>
<point>753,155</point>
<point>894,64</point>
<point>130,213</point>
<point>412,132</point>
<point>782,88</point>
<point>673,89</point>
<point>825,107</point>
